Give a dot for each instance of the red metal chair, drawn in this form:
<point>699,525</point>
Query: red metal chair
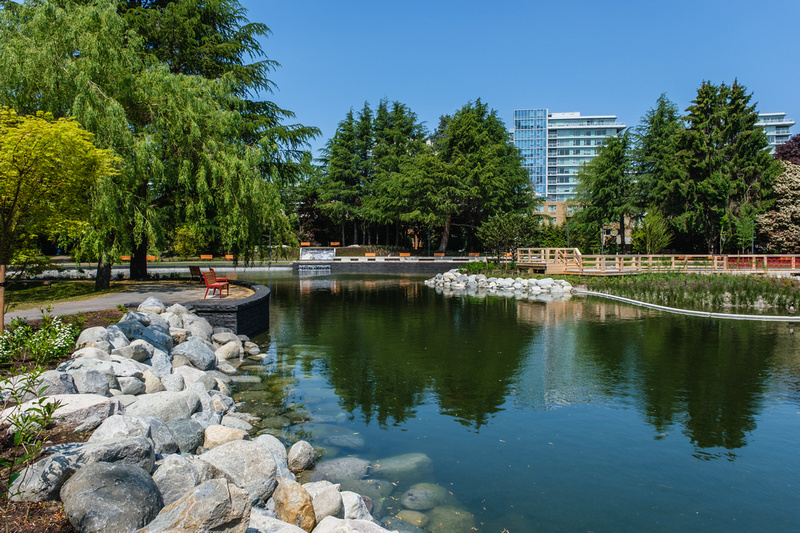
<point>218,279</point>
<point>213,284</point>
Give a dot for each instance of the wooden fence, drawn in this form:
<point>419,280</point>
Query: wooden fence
<point>571,261</point>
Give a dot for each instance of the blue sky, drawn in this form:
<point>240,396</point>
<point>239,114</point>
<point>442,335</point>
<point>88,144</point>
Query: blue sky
<point>596,57</point>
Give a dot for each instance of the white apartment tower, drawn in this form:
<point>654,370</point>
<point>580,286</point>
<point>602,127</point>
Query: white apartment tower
<point>554,146</point>
<point>776,126</point>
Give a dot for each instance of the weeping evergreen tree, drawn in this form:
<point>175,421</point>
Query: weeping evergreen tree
<point>195,150</point>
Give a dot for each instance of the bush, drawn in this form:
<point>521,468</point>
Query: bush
<point>51,341</point>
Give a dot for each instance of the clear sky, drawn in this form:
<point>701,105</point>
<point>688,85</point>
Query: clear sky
<point>597,57</point>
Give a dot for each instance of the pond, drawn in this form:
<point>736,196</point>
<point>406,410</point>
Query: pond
<point>578,415</point>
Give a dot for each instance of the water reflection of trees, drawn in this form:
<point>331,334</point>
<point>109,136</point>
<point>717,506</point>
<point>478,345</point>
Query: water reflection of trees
<point>707,375</point>
<point>392,345</point>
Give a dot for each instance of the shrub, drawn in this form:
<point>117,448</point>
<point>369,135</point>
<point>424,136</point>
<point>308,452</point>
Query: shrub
<point>52,340</point>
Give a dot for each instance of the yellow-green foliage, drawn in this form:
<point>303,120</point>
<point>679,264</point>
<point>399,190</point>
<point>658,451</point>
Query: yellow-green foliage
<point>47,170</point>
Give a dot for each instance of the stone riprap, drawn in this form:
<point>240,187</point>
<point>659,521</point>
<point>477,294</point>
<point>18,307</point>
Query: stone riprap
<point>455,283</point>
<point>168,449</point>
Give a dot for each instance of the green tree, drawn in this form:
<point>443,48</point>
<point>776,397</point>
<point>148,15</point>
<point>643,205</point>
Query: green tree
<point>789,151</point>
<point>653,234</point>
<point>47,168</point>
<point>483,162</point>
<point>195,151</point>
<point>505,232</point>
<point>654,150</point>
<point>607,186</point>
<point>725,171</point>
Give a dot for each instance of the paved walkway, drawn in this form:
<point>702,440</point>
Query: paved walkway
<point>169,293</point>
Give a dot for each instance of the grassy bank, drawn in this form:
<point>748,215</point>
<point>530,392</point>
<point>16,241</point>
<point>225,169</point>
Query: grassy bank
<point>35,294</point>
<point>716,292</point>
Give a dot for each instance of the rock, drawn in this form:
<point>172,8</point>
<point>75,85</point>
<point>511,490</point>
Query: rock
<point>90,352</point>
<point>278,451</point>
<point>173,382</point>
<point>215,505</point>
<point>449,520</point>
<point>326,499</point>
<point>293,504</point>
<point>423,496</point>
<point>43,479</point>
<point>152,383</point>
<point>127,426</point>
<point>414,518</point>
<point>401,466</point>
<point>335,525</point>
<point>188,434</point>
<point>153,305</point>
<point>339,469</point>
<point>135,351</point>
<point>131,327</point>
<point>179,335</point>
<point>96,334</point>
<point>224,337</point>
<point>354,442</point>
<point>104,367</point>
<point>52,382</point>
<point>354,506</point>
<point>262,521</point>
<point>158,336</point>
<point>177,309</point>
<point>218,435</point>
<point>165,405</point>
<point>301,456</point>
<point>132,386</point>
<point>226,369</point>
<point>189,374</point>
<point>117,337</point>
<point>396,524</point>
<point>198,354</point>
<point>236,423</point>
<point>75,408</point>
<point>232,350</point>
<point>160,363</point>
<point>248,465</point>
<point>157,320</point>
<point>198,326</point>
<point>207,418</point>
<point>106,497</point>
<point>175,477</point>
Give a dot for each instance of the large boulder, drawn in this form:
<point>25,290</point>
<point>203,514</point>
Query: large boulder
<point>127,426</point>
<point>175,477</point>
<point>165,405</point>
<point>117,337</point>
<point>104,367</point>
<point>217,435</point>
<point>278,451</point>
<point>294,505</point>
<point>188,434</point>
<point>90,381</point>
<point>158,336</point>
<point>336,525</point>
<point>355,507</point>
<point>152,304</point>
<point>215,505</point>
<point>262,521</point>
<point>90,335</point>
<point>406,466</point>
<point>52,382</point>
<point>343,468</point>
<point>199,355</point>
<point>326,498</point>
<point>301,456</point>
<point>75,409</point>
<point>104,497</point>
<point>248,465</point>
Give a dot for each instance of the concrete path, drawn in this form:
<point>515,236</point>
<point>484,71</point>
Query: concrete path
<point>169,293</point>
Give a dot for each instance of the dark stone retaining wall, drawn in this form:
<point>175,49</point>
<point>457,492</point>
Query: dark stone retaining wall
<point>421,266</point>
<point>246,317</point>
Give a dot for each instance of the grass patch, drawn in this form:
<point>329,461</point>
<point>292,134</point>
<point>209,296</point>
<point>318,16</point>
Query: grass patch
<point>25,295</point>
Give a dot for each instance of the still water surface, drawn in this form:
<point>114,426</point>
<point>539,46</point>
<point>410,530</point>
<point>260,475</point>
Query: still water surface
<point>584,415</point>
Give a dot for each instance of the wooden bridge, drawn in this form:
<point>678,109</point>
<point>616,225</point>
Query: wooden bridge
<point>571,261</point>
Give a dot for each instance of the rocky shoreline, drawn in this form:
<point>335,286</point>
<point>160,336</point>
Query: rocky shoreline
<point>170,451</point>
<point>454,283</point>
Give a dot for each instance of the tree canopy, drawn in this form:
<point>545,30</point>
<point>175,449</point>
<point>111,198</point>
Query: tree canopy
<point>195,151</point>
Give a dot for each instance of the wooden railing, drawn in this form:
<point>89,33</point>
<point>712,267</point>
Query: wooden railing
<point>571,261</point>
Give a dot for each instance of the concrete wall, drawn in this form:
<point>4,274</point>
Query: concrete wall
<point>246,317</point>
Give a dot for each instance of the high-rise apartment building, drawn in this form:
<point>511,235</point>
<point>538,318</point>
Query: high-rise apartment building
<point>776,126</point>
<point>554,146</point>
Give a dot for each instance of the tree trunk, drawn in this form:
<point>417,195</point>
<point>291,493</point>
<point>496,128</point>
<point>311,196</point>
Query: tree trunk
<point>139,260</point>
<point>343,243</point>
<point>102,280</point>
<point>355,232</point>
<point>622,233</point>
<point>445,235</point>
